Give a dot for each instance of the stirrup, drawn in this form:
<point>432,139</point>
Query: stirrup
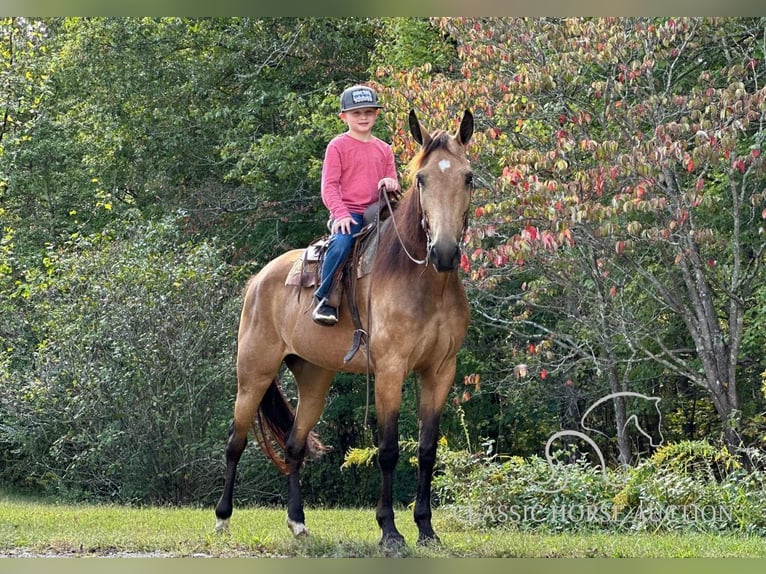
<point>324,314</point>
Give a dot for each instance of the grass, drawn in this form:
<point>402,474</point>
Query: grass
<point>35,528</point>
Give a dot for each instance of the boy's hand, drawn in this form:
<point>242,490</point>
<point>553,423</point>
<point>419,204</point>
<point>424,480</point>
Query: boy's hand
<point>342,225</point>
<point>391,186</point>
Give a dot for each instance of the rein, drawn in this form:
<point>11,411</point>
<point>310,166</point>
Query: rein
<point>416,261</point>
<point>423,224</point>
<point>360,332</point>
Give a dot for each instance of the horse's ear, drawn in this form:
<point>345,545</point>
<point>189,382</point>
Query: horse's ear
<point>418,132</point>
<point>466,128</point>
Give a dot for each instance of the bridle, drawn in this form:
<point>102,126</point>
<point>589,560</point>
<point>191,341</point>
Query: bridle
<point>423,224</point>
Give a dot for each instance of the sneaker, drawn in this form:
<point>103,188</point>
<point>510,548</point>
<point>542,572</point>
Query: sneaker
<point>324,314</point>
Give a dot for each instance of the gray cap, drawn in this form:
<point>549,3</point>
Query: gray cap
<point>358,97</point>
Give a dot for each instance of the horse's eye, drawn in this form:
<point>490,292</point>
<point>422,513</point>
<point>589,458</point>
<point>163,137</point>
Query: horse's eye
<point>420,181</point>
<point>469,180</point>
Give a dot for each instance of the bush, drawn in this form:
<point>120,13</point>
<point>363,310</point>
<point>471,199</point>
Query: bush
<point>696,483</point>
<point>684,486</point>
<point>123,384</point>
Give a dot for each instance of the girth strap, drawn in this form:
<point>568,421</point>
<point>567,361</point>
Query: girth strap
<point>359,331</point>
<point>373,218</point>
<point>360,334</point>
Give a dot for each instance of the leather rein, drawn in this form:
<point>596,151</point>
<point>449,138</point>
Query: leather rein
<point>362,334</point>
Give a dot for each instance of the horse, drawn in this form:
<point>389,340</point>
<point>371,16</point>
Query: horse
<point>416,314</point>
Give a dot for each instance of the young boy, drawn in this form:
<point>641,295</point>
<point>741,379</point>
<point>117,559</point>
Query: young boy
<point>356,165</point>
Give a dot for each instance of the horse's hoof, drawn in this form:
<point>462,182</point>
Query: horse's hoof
<point>429,540</point>
<point>222,525</point>
<point>297,528</point>
<point>392,542</point>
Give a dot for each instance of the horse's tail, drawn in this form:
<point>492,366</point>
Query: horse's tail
<point>272,425</point>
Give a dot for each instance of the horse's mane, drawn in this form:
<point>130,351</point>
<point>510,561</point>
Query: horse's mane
<point>391,256</point>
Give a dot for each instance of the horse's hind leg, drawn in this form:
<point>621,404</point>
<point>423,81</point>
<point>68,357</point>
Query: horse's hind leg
<point>313,385</point>
<point>249,395</point>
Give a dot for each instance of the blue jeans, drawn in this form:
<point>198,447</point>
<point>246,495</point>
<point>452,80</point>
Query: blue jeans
<point>338,250</point>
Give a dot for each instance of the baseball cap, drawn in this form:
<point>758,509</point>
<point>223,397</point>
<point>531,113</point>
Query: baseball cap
<point>358,97</point>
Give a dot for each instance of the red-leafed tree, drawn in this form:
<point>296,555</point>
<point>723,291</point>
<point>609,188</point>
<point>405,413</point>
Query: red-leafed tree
<point>623,174</point>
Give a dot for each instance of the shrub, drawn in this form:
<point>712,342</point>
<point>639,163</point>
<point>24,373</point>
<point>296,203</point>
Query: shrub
<point>123,385</point>
<point>682,487</point>
<point>694,484</point>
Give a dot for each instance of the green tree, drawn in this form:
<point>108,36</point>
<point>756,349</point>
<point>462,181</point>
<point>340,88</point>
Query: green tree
<point>158,139</point>
<point>221,119</point>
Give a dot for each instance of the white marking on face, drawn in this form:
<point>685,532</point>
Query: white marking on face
<point>444,165</point>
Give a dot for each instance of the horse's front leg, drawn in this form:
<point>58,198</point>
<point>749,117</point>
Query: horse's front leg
<point>388,397</point>
<point>427,445</point>
<point>435,388</point>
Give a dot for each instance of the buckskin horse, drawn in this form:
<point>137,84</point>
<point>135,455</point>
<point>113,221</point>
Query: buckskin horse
<point>416,315</point>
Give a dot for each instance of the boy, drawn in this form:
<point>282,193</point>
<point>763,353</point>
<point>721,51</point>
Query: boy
<point>356,165</point>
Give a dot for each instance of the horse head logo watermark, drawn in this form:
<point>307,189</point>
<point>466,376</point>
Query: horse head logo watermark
<point>584,436</point>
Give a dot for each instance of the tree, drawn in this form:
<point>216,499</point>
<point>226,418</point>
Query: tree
<point>157,142</point>
<point>635,163</point>
<point>221,119</point>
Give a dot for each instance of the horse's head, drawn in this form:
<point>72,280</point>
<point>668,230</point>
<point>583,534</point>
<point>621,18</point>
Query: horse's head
<point>444,182</point>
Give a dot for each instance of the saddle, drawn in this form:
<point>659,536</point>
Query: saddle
<point>307,269</point>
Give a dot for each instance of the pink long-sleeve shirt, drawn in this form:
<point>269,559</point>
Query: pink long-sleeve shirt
<point>351,172</point>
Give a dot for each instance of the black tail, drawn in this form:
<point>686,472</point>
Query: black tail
<point>272,425</point>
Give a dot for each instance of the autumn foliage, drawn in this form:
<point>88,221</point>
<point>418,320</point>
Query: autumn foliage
<point>624,154</point>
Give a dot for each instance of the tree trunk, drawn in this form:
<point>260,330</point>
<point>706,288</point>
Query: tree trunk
<point>717,341</point>
<point>717,350</point>
<point>609,336</point>
<point>620,418</point>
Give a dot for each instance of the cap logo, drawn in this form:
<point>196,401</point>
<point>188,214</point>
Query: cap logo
<point>362,96</point>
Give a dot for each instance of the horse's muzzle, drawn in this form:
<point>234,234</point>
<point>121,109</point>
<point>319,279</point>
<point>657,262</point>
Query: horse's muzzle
<point>445,256</point>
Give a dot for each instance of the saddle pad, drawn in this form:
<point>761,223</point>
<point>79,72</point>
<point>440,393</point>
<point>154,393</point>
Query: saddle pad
<point>313,252</point>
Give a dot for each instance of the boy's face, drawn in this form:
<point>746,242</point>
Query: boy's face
<point>360,119</point>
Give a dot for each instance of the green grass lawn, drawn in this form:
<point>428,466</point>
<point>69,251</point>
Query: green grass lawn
<point>29,527</point>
